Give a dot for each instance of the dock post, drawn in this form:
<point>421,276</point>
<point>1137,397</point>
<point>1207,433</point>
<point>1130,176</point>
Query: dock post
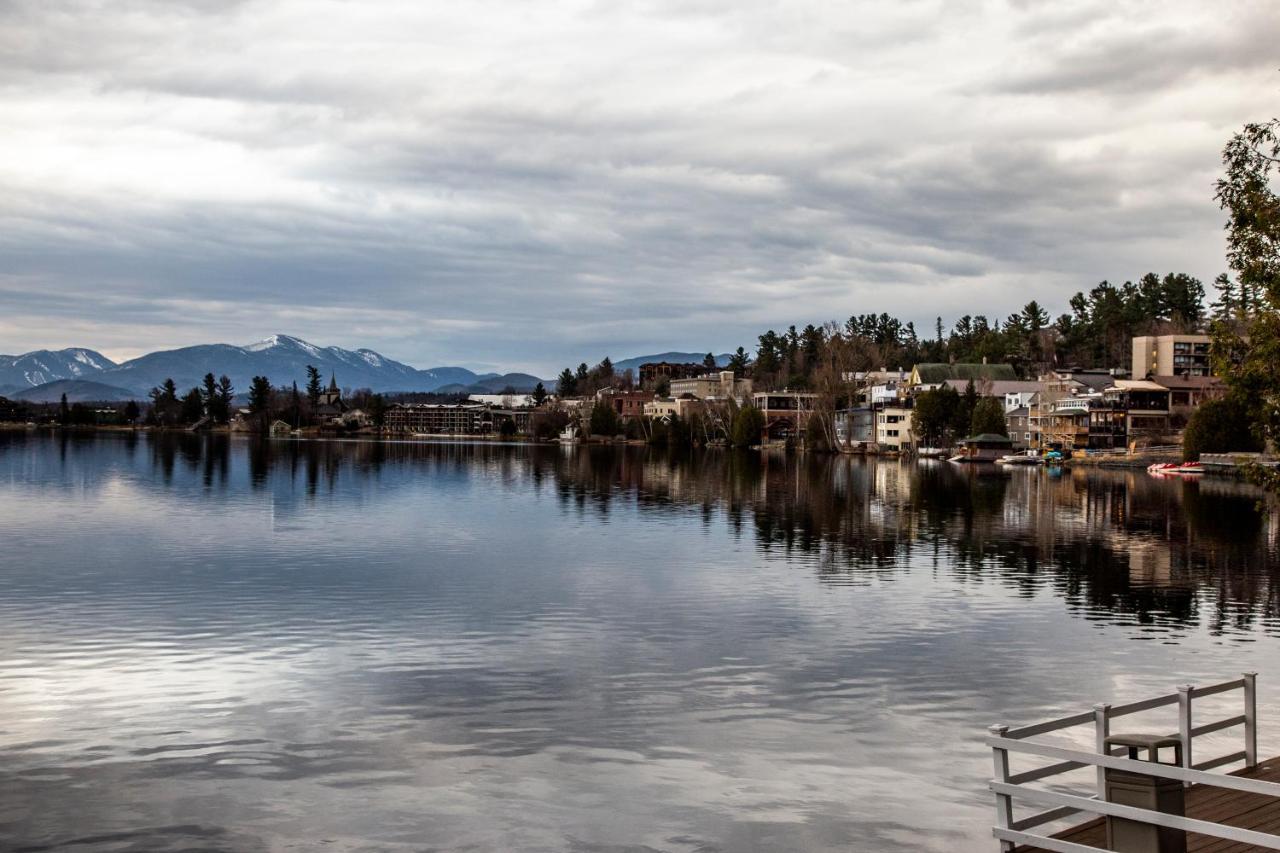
<point>1250,719</point>
<point>1102,730</point>
<point>1184,724</point>
<point>1004,802</point>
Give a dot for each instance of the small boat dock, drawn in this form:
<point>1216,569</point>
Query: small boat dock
<point>1139,805</point>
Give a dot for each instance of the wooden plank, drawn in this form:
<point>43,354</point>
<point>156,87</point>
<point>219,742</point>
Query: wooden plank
<point>1239,809</point>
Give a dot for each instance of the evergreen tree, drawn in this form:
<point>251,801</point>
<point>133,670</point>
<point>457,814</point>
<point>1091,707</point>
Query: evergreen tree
<point>567,384</point>
<point>313,386</point>
<point>934,417</point>
<point>1246,357</point>
<point>988,417</point>
<point>1219,426</point>
<point>131,411</point>
<point>709,361</point>
<point>226,393</point>
<point>64,411</point>
<point>605,421</point>
<point>260,395</point>
<point>964,411</point>
<point>748,427</point>
<point>209,394</point>
<point>1227,306</point>
<point>192,406</point>
<point>539,394</point>
<point>739,361</point>
<point>378,410</point>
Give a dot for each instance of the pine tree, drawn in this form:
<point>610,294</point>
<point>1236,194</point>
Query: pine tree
<point>192,406</point>
<point>260,395</point>
<point>226,393</point>
<point>567,384</point>
<point>313,386</point>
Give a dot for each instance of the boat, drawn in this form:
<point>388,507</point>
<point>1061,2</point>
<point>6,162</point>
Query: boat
<point>1028,458</point>
<point>1167,469</point>
<point>569,435</point>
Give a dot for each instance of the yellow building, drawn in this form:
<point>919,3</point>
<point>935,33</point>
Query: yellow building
<point>1171,355</point>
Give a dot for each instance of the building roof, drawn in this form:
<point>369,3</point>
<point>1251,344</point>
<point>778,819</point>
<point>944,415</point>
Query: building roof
<point>1094,379</point>
<point>987,438</point>
<point>1137,385</point>
<point>1188,383</point>
<point>935,373</point>
<point>1000,387</point>
<point>1020,412</point>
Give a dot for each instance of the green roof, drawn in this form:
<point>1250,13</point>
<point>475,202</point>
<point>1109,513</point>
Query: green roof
<point>987,438</point>
<point>935,373</point>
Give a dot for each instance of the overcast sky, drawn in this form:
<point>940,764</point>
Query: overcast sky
<point>528,184</point>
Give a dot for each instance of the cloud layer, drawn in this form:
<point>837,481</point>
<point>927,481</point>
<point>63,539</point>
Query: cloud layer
<point>528,185</point>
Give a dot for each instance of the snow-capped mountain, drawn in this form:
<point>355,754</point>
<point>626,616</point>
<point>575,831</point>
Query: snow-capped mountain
<point>281,358</point>
<point>42,366</point>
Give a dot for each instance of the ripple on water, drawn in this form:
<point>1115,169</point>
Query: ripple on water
<point>213,644</point>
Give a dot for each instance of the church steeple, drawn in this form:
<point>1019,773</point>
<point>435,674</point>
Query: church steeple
<point>333,383</point>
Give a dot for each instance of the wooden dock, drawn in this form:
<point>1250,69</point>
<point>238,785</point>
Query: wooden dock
<point>1229,808</point>
<point>1224,812</point>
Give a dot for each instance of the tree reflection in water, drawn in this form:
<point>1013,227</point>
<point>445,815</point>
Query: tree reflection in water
<point>1108,542</point>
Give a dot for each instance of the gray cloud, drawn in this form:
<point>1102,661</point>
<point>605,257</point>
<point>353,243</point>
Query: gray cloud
<point>532,186</point>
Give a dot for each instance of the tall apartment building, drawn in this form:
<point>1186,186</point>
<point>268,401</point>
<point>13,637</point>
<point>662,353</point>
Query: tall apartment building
<point>1171,355</point>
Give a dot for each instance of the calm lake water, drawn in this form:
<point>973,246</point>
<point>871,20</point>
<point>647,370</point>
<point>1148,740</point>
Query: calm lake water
<point>218,644</point>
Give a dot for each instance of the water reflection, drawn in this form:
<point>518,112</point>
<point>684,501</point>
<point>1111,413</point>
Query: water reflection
<point>1106,541</point>
<point>213,643</point>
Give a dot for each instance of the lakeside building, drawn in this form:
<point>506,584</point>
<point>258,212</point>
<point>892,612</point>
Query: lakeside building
<point>855,425</point>
<point>930,375</point>
<point>662,408</point>
<point>1013,393</point>
<point>439,418</point>
<point>713,386</point>
<point>1188,392</point>
<point>1146,407</point>
<point>1171,355</point>
<point>893,427</point>
<point>505,401</point>
<point>786,413</point>
<point>330,405</point>
<point>453,419</point>
<point>1018,425</point>
<point>628,404</point>
<point>651,372</point>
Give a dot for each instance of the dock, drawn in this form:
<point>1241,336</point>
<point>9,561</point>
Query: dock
<point>1208,803</point>
<point>1222,812</point>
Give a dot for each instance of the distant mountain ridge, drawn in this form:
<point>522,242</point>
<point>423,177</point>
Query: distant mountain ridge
<point>281,358</point>
<point>674,357</point>
<point>36,368</point>
<point>77,391</point>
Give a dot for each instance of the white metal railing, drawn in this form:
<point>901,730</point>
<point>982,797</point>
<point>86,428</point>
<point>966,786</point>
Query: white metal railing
<point>1007,785</point>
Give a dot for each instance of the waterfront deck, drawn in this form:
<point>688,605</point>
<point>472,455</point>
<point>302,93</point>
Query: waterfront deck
<point>1224,812</point>
<point>1229,808</point>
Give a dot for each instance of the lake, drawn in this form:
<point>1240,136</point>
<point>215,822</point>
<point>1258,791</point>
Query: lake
<point>213,643</point>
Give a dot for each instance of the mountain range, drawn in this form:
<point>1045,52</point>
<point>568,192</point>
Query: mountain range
<point>674,357</point>
<point>85,375</point>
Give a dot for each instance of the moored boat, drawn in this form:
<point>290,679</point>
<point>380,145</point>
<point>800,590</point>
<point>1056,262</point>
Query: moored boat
<point>1165,469</point>
<point>1028,458</point>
